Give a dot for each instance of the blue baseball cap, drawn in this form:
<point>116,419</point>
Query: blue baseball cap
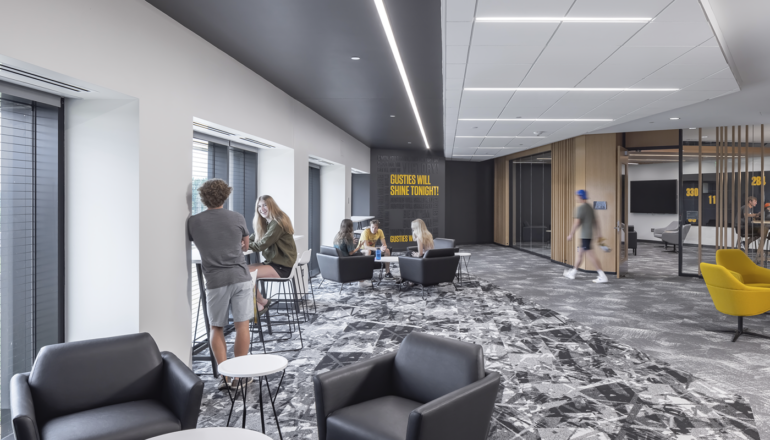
<point>582,194</point>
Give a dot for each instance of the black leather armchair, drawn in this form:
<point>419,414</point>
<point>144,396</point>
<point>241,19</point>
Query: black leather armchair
<point>344,269</point>
<point>438,243</point>
<point>432,388</point>
<point>436,266</point>
<point>120,387</point>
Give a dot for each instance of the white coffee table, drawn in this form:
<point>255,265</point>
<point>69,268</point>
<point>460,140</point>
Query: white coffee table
<point>464,257</point>
<point>213,434</point>
<point>256,365</point>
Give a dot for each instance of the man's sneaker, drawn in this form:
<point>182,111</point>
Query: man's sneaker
<point>224,384</point>
<point>388,275</point>
<point>601,279</point>
<point>570,273</point>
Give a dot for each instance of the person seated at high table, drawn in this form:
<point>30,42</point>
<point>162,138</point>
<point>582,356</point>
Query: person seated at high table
<point>746,212</point>
<point>274,237</point>
<point>221,236</point>
<point>344,240</point>
<point>368,242</point>
<point>422,237</point>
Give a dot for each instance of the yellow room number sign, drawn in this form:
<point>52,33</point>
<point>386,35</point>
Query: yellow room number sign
<point>691,192</point>
<point>757,180</point>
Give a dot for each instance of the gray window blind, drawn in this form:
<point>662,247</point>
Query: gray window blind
<point>218,162</point>
<point>244,184</point>
<point>31,286</point>
<point>314,220</point>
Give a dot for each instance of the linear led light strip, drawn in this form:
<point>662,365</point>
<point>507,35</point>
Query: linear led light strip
<point>564,19</point>
<point>542,120</point>
<point>562,89</point>
<point>472,155</point>
<point>502,137</point>
<point>394,48</point>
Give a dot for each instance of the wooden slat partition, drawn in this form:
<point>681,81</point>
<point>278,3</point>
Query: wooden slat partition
<point>562,199</point>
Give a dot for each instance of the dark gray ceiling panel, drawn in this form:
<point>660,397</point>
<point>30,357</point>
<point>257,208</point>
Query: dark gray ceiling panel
<point>304,48</point>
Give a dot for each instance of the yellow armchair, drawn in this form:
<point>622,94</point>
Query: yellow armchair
<point>732,297</point>
<point>737,261</point>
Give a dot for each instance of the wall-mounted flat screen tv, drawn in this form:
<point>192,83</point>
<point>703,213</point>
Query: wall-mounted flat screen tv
<point>653,196</point>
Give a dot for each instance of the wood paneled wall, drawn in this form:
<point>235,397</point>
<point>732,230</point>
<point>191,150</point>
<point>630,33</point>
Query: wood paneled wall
<point>562,199</point>
<point>601,174</point>
<point>660,138</point>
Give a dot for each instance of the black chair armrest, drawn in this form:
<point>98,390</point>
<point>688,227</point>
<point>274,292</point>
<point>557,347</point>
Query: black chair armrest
<point>413,248</point>
<point>23,409</point>
<point>329,266</point>
<point>464,413</point>
<point>181,391</point>
<point>351,385</point>
<point>356,268</point>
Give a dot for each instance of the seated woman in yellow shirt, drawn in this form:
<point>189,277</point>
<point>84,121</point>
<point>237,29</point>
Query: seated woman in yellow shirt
<point>368,242</point>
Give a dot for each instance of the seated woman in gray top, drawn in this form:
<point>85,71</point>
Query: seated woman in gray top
<point>344,240</point>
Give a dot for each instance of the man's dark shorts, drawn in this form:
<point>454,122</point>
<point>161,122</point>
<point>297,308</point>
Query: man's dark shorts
<point>585,243</point>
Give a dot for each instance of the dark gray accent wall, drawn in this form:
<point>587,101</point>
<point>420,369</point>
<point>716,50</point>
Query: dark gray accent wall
<point>470,202</point>
<point>396,211</point>
<point>360,195</point>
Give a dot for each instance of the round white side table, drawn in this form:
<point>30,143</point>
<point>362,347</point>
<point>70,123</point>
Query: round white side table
<point>213,434</point>
<point>256,365</point>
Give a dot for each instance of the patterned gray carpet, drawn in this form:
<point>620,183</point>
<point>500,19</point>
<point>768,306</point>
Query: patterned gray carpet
<point>623,360</point>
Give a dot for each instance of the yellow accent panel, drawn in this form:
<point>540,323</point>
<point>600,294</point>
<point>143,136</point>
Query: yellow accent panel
<point>732,297</point>
<point>737,261</point>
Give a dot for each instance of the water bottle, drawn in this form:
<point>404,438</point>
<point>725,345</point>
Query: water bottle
<point>379,254</point>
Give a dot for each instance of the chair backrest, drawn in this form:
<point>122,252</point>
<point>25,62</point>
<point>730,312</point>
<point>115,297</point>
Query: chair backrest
<point>443,243</point>
<point>435,253</point>
<point>329,250</point>
<point>78,376</point>
<point>305,257</point>
<point>685,231</point>
<point>428,367</point>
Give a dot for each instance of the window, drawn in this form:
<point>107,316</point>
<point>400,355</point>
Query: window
<point>31,238</point>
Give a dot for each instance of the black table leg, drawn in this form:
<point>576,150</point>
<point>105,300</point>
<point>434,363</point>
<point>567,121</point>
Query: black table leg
<point>202,298</point>
<point>244,389</point>
<point>261,406</point>
<point>272,402</point>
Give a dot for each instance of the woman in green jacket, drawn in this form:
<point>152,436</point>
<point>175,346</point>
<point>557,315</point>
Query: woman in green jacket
<point>274,237</point>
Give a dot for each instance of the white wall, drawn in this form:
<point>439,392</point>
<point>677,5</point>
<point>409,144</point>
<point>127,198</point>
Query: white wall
<point>102,217</point>
<point>132,48</point>
<point>334,180</point>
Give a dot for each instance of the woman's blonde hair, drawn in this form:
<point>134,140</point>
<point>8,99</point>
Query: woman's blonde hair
<point>421,234</point>
<point>260,223</point>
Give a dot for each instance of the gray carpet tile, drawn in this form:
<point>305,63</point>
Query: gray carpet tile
<point>564,376</point>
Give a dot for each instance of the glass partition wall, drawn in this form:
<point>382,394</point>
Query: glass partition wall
<point>530,204</point>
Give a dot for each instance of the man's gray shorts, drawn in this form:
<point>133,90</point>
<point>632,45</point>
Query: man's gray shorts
<point>239,295</point>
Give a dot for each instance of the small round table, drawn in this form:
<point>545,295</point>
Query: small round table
<point>464,257</point>
<point>256,365</point>
<point>384,259</point>
<point>213,434</point>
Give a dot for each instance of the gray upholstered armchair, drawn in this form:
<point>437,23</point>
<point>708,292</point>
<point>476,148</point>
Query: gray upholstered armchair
<point>672,237</point>
<point>344,269</point>
<point>435,267</point>
<point>432,388</point>
<point>120,387</point>
<point>438,243</point>
<point>658,232</point>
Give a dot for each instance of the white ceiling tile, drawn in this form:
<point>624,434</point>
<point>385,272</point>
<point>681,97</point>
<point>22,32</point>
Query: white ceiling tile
<point>508,128</point>
<point>682,10</point>
<point>715,84</point>
<point>555,75</point>
<point>662,106</point>
<point>495,143</point>
<point>473,128</point>
<point>453,84</point>
<point>658,56</point>
<point>463,150</point>
<point>618,75</point>
<point>668,34</point>
<point>594,34</point>
<point>504,54</point>
<point>689,71</point>
<point>579,96</point>
<point>612,109</point>
<point>452,103</point>
<point>640,97</point>
<point>530,104</point>
<point>512,34</point>
<point>455,70</point>
<point>547,127</point>
<point>481,112</point>
<point>724,73</point>
<point>615,8</point>
<point>460,10</point>
<point>467,142</point>
<point>456,54</point>
<point>593,54</point>
<point>656,82</point>
<point>693,95</point>
<point>485,99</point>
<point>711,42</point>
<point>495,75</point>
<point>458,33</point>
<point>454,95</point>
<point>703,55</point>
<point>522,8</point>
<point>571,109</point>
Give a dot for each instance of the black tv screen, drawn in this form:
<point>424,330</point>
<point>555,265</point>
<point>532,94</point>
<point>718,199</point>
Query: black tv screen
<point>653,196</point>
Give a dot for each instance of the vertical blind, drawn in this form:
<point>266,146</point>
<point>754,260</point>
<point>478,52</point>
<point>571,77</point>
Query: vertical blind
<point>314,220</point>
<point>31,289</point>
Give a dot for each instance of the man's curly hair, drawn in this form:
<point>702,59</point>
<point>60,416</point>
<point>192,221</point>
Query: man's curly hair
<point>214,192</point>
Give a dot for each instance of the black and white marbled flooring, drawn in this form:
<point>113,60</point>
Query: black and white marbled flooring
<point>561,378</point>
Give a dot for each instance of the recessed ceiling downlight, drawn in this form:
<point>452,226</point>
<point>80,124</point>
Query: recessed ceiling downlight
<point>355,58</point>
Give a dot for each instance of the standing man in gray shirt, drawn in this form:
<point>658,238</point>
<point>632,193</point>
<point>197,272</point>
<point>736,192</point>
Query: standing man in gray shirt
<point>585,219</point>
<point>221,236</point>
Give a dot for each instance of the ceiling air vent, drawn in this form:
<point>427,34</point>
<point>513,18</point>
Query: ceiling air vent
<point>254,141</point>
<point>43,79</point>
<point>318,160</point>
<point>206,127</point>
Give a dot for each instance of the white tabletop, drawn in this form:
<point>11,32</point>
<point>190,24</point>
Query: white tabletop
<point>463,254</point>
<point>254,365</point>
<point>214,434</point>
<point>196,255</point>
<point>361,218</point>
<point>385,259</point>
